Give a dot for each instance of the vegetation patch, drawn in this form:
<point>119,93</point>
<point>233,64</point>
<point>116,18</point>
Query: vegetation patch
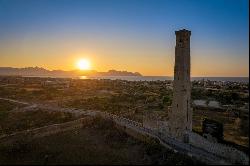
<point>98,143</point>
<point>12,121</point>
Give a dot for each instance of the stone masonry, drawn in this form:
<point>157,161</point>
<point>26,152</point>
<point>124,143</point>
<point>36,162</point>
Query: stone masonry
<point>180,118</point>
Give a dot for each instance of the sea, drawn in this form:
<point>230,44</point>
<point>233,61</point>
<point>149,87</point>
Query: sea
<point>163,78</point>
<point>151,78</point>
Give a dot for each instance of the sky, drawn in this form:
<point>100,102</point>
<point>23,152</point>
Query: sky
<point>132,35</point>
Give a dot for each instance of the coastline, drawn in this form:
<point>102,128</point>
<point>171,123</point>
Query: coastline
<point>144,78</point>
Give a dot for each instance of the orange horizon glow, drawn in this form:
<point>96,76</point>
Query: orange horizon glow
<point>170,72</point>
<point>141,56</point>
<point>126,36</point>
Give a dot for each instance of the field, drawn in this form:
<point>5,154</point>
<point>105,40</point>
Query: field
<point>98,143</point>
<point>129,99</point>
<point>12,120</point>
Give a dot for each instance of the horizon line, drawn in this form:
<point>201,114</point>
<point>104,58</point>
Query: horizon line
<point>122,70</point>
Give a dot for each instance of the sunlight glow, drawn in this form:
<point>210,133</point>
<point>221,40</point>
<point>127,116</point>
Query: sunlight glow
<point>83,64</point>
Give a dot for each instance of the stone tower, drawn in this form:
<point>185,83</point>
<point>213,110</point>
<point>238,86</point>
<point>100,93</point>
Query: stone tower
<point>180,117</point>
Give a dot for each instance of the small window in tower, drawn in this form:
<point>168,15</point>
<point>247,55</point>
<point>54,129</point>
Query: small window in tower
<point>177,105</point>
<point>187,110</point>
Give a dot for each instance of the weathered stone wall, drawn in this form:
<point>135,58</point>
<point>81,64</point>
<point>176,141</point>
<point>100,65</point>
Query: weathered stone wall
<point>228,153</point>
<point>138,131</point>
<point>198,147</point>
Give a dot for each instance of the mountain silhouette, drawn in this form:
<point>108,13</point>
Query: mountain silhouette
<point>39,71</point>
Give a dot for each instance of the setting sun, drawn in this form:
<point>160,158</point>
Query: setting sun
<point>83,64</point>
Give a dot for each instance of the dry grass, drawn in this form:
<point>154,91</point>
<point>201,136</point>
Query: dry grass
<point>17,121</point>
<point>233,127</point>
<point>98,143</point>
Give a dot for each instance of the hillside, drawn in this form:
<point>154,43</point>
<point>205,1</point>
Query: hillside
<point>38,71</point>
<point>98,143</point>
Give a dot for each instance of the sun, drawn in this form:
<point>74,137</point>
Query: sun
<point>83,64</point>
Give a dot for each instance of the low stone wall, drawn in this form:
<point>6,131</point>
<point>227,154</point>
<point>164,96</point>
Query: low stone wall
<point>28,135</point>
<point>198,147</point>
<point>137,130</point>
<point>228,153</point>
<point>211,153</point>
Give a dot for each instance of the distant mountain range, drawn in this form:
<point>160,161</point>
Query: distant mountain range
<point>38,71</point>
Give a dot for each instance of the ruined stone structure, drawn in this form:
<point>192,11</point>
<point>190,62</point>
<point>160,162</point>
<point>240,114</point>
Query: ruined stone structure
<point>198,147</point>
<point>180,117</point>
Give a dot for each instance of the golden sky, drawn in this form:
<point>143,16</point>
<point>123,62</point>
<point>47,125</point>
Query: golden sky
<point>138,56</point>
<point>136,36</point>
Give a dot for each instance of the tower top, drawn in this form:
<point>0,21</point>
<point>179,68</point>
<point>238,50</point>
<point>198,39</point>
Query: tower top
<point>183,32</point>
